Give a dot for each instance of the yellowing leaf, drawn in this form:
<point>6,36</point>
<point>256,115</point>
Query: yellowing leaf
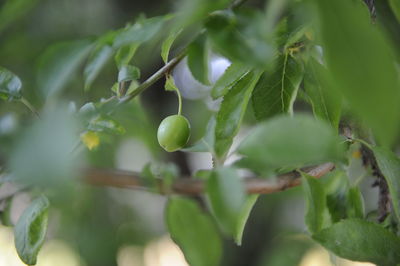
<point>90,139</point>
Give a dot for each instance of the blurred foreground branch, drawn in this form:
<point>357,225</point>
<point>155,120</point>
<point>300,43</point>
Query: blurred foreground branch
<point>191,186</point>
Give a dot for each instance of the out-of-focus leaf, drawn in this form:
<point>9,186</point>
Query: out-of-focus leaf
<point>194,232</point>
<point>355,201</point>
<point>359,240</point>
<point>316,210</point>
<point>14,9</point>
<point>325,102</point>
<point>58,63</point>
<point>128,72</point>
<point>276,92</point>
<point>198,59</point>
<point>227,196</point>
<point>395,5</point>
<point>5,214</point>
<point>10,85</point>
<point>97,60</point>
<point>291,141</point>
<point>125,54</point>
<point>231,75</point>
<point>243,217</point>
<point>90,139</point>
<point>205,144</point>
<point>231,113</point>
<point>166,45</point>
<point>361,62</point>
<point>389,164</point>
<point>104,123</point>
<point>296,35</point>
<point>30,230</point>
<point>337,189</point>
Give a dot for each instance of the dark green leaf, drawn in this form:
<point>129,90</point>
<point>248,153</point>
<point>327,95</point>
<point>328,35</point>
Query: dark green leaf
<point>291,141</point>
<point>198,59</point>
<point>231,75</point>
<point>166,45</point>
<point>10,85</point>
<point>13,10</point>
<point>316,210</point>
<point>276,92</point>
<point>231,112</point>
<point>227,196</point>
<point>125,54</point>
<point>389,164</point>
<point>97,60</point>
<point>30,230</point>
<point>337,187</point>
<point>355,201</point>
<point>58,63</point>
<point>325,102</point>
<point>359,240</point>
<point>243,217</point>
<point>128,72</point>
<point>5,214</point>
<point>395,5</point>
<point>361,62</point>
<point>194,232</point>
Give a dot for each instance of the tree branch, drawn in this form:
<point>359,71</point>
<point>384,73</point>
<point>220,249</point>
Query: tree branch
<point>191,186</point>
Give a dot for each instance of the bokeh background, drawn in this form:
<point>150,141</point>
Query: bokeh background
<point>107,226</point>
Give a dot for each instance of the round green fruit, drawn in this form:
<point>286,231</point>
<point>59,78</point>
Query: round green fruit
<point>173,133</point>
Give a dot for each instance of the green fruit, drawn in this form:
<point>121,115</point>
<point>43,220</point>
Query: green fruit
<point>173,133</point>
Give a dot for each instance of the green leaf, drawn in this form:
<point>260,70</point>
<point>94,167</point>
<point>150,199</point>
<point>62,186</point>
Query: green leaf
<point>104,123</point>
<point>276,92</point>
<point>58,63</point>
<point>14,9</point>
<point>227,196</point>
<point>142,31</point>
<point>194,232</point>
<point>166,45</point>
<point>395,5</point>
<point>361,62</point>
<point>359,240</point>
<point>170,84</point>
<point>10,85</point>
<point>291,142</point>
<point>97,60</point>
<point>231,75</point>
<point>30,230</point>
<point>389,164</point>
<point>5,214</point>
<point>198,59</point>
<point>243,217</point>
<point>326,104</point>
<point>125,54</point>
<point>355,201</point>
<point>205,144</point>
<point>231,112</point>
<point>128,72</point>
<point>316,209</point>
<point>337,187</point>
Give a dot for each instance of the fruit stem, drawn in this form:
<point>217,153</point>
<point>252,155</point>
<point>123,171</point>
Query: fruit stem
<point>179,101</point>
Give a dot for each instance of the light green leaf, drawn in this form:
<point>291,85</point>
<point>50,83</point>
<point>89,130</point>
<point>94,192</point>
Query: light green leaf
<point>227,196</point>
<point>128,72</point>
<point>325,102</point>
<point>125,54</point>
<point>291,142</point>
<point>30,230</point>
<point>96,61</point>
<point>104,123</point>
<point>361,62</point>
<point>194,232</point>
<point>276,92</point>
<point>198,59</point>
<point>10,85</point>
<point>170,84</point>
<point>231,113</point>
<point>166,45</point>
<point>58,63</point>
<point>355,201</point>
<point>395,5</point>
<point>205,144</point>
<point>360,240</point>
<point>389,164</point>
<point>316,209</point>
<point>243,217</point>
<point>231,75</point>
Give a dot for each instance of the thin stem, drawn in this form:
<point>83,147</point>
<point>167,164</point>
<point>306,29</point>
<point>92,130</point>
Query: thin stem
<point>30,106</point>
<point>179,102</point>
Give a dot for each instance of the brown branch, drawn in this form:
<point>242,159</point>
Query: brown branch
<point>190,186</point>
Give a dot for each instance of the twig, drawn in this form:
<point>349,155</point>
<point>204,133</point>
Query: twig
<point>191,186</point>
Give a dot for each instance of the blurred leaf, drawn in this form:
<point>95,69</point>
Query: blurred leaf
<point>296,35</point>
<point>276,92</point>
<point>14,9</point>
<point>291,141</point>
<point>243,217</point>
<point>128,72</point>
<point>231,113</point>
<point>231,75</point>
<point>198,59</point>
<point>205,144</point>
<point>104,123</point>
<point>361,62</point>
<point>336,198</point>
<point>142,31</point>
<point>389,164</point>
<point>125,54</point>
<point>5,214</point>
<point>58,63</point>
<point>10,85</point>
<point>194,232</point>
<point>30,230</point>
<point>316,209</point>
<point>355,200</point>
<point>395,5</point>
<point>166,45</point>
<point>359,240</point>
<point>97,60</point>
<point>90,139</point>
<point>227,196</point>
